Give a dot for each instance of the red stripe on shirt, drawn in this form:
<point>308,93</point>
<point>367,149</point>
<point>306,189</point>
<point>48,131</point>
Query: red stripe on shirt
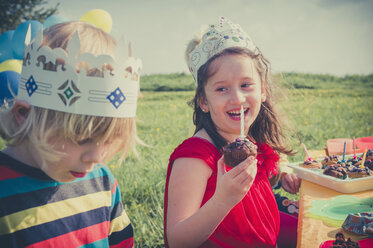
<point>114,187</point>
<point>77,238</point>
<point>128,243</point>
<point>7,173</point>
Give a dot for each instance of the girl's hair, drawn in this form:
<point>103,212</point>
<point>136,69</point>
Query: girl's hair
<point>267,127</point>
<point>43,126</point>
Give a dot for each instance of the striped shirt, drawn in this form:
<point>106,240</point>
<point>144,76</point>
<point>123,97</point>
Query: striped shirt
<point>36,211</point>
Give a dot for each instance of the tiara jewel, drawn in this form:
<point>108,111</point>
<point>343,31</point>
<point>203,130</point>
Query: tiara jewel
<point>218,37</point>
<point>101,87</point>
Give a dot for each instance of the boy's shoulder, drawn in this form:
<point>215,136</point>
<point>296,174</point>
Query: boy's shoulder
<point>102,170</point>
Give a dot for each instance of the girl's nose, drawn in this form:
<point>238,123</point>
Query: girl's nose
<point>237,97</point>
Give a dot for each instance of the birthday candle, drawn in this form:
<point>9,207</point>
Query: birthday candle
<point>363,161</point>
<point>344,152</point>
<point>305,150</point>
<point>242,123</point>
<point>354,144</point>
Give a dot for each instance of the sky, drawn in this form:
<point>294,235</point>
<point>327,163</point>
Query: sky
<point>305,36</point>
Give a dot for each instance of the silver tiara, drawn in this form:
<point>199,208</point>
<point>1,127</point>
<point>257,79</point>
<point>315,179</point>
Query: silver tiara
<point>218,37</point>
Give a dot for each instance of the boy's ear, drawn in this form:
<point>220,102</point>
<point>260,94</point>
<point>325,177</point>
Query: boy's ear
<point>20,111</point>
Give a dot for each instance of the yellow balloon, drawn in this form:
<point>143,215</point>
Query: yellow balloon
<point>99,18</point>
<point>11,65</point>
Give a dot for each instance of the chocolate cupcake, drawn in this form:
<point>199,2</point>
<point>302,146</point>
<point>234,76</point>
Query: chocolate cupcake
<point>369,154</point>
<point>237,151</point>
<point>329,160</point>
<point>368,160</point>
<point>369,164</point>
<point>357,172</point>
<point>352,161</point>
<point>340,242</point>
<point>335,170</point>
<point>313,164</point>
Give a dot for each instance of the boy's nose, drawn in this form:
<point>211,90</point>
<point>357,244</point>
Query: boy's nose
<point>95,154</point>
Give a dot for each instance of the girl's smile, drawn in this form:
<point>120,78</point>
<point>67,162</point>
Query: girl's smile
<point>236,114</point>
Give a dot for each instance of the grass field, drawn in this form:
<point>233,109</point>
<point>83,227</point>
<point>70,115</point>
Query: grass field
<point>319,107</point>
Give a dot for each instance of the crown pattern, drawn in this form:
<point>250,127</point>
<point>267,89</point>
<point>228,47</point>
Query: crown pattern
<point>101,86</point>
<point>218,37</point>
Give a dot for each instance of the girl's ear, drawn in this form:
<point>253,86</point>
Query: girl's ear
<point>263,97</point>
<point>20,111</point>
<point>203,104</point>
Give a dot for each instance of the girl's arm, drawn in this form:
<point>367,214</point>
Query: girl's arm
<point>189,224</point>
<point>290,183</point>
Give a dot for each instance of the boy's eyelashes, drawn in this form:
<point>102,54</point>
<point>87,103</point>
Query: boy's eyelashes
<point>84,141</point>
<point>90,140</point>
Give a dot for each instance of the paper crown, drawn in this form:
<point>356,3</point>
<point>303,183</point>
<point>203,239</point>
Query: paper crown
<point>50,80</point>
<point>218,37</point>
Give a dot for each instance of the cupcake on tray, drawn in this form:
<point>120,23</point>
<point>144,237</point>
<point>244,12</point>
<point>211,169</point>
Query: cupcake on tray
<point>335,170</point>
<point>369,154</point>
<point>358,172</point>
<point>311,164</point>
<point>368,161</point>
<point>352,161</point>
<point>329,160</point>
<point>369,164</point>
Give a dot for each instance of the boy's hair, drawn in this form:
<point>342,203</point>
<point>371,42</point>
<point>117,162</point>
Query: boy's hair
<point>267,127</point>
<point>42,126</point>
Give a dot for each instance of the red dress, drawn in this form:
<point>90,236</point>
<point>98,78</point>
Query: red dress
<point>253,222</point>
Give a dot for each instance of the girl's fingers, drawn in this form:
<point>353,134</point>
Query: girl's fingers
<point>241,166</point>
<point>248,181</point>
<point>248,173</point>
<point>290,183</point>
<point>221,166</point>
<point>291,188</point>
<point>297,184</point>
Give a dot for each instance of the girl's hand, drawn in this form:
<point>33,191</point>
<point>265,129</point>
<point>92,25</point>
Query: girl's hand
<point>233,185</point>
<point>290,183</point>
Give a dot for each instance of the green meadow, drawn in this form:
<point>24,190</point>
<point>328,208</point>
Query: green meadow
<point>318,108</point>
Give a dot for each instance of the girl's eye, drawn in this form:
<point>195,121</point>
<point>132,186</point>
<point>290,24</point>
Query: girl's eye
<point>85,141</point>
<point>245,85</point>
<point>221,89</point>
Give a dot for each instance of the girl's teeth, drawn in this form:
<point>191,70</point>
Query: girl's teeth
<point>236,112</point>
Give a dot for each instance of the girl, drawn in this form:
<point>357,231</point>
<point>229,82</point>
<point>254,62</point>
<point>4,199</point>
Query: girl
<point>53,190</point>
<point>206,203</point>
